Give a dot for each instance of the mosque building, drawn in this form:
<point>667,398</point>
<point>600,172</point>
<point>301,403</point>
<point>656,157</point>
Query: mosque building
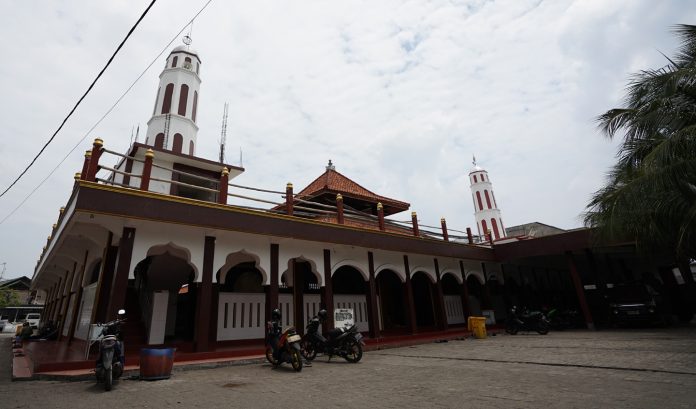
<point>161,234</point>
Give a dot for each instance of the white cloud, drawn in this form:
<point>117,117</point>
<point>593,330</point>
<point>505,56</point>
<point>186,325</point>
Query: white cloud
<point>398,94</point>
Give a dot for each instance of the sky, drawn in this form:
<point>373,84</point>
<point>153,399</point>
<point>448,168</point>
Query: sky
<point>398,94</point>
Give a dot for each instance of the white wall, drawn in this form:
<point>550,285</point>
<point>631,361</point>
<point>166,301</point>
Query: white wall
<point>85,312</point>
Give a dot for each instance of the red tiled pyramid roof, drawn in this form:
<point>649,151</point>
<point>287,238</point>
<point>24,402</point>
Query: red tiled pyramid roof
<point>334,182</point>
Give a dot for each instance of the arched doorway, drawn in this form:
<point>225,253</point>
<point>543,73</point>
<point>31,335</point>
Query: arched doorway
<point>164,296</point>
<point>496,292</point>
<point>242,302</point>
<point>350,291</point>
<point>299,295</point>
<point>475,288</point>
<point>452,292</point>
<point>423,300</point>
<point>511,291</point>
<point>391,301</point>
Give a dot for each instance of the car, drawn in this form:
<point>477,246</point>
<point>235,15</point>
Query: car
<point>636,304</point>
<point>33,319</point>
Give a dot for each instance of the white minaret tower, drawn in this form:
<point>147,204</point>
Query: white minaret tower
<point>173,123</point>
<point>485,207</point>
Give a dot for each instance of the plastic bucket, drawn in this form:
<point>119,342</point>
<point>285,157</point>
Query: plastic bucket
<point>478,326</point>
<point>156,363</point>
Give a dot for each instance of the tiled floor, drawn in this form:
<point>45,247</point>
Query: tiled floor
<point>54,357</point>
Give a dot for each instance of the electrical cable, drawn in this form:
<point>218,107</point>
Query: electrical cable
<point>81,98</point>
<point>166,47</point>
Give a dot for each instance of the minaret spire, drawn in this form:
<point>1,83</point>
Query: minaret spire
<point>486,211</point>
<point>173,123</point>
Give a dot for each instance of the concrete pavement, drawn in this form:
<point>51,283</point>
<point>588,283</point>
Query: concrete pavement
<point>573,369</point>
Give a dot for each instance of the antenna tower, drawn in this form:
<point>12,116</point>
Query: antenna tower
<point>223,134</point>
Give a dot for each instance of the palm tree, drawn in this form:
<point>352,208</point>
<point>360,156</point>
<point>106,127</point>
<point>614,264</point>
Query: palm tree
<point>650,197</point>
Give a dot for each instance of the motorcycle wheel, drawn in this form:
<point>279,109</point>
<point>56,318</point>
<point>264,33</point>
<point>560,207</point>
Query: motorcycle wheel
<point>354,351</point>
<point>296,360</point>
<point>543,327</point>
<point>108,379</point>
<point>309,351</point>
<point>270,357</point>
<point>511,329</point>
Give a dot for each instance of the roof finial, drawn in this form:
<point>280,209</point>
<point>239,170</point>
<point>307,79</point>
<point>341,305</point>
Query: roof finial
<point>187,38</point>
<point>474,162</point>
<point>330,166</point>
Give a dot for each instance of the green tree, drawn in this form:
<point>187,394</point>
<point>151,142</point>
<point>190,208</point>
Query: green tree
<point>9,298</point>
<point>650,197</point>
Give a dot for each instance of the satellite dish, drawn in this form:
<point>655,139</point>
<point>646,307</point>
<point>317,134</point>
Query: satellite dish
<point>187,40</point>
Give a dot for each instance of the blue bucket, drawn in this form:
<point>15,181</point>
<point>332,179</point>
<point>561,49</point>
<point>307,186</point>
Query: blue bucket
<point>156,363</point>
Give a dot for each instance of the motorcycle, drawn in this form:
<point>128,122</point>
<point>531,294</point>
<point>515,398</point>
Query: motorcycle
<point>344,342</point>
<point>111,358</point>
<point>562,319</point>
<point>288,348</point>
<point>526,321</point>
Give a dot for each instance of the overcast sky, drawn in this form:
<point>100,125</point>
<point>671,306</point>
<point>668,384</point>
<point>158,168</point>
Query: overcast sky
<point>399,94</point>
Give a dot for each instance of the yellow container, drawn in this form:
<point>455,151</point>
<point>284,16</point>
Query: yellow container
<point>478,326</point>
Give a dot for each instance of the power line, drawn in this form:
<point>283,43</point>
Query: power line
<point>154,60</point>
<point>81,98</point>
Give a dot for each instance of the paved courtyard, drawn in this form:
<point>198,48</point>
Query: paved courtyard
<point>579,369</point>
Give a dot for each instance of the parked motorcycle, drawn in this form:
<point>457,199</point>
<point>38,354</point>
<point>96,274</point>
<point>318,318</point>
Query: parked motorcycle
<point>111,358</point>
<point>288,347</point>
<point>526,321</point>
<point>562,319</point>
<point>344,342</point>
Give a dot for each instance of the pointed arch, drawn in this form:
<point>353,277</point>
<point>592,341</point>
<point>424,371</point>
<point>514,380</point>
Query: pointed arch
<point>351,263</point>
<point>159,141</point>
<point>453,274</point>
<point>397,270</point>
<point>167,102</point>
<point>239,257</point>
<point>183,99</point>
<point>488,198</point>
<point>175,251</point>
<point>494,226</point>
<point>195,105</point>
<point>178,143</point>
<point>313,269</point>
<point>478,198</point>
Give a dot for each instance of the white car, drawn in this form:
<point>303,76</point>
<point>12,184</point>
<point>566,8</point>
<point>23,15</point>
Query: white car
<point>33,319</point>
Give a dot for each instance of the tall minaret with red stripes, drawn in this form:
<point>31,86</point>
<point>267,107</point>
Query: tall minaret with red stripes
<point>485,206</point>
<point>173,123</point>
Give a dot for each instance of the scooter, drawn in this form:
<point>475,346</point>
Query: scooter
<point>111,358</point>
<point>344,342</point>
<point>526,321</point>
<point>288,348</point>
